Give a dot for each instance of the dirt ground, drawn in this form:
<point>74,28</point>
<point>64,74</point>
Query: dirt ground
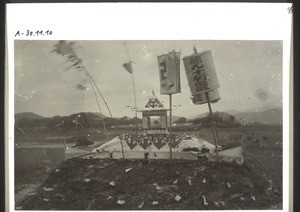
<point>116,184</point>
<point>80,184</point>
<point>28,180</point>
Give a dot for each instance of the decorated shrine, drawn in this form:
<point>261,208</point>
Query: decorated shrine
<point>154,117</point>
<point>156,137</point>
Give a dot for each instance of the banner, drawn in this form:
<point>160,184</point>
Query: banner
<point>200,99</point>
<point>201,73</point>
<point>169,73</point>
<point>156,142</point>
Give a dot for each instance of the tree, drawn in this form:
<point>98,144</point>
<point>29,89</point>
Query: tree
<point>220,118</point>
<point>181,120</point>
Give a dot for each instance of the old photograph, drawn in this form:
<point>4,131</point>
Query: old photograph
<point>148,124</point>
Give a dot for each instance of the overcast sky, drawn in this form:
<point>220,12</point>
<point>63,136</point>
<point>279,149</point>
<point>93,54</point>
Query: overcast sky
<point>249,73</point>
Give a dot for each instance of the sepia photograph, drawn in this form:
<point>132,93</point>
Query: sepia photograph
<point>147,106</point>
<point>148,125</point>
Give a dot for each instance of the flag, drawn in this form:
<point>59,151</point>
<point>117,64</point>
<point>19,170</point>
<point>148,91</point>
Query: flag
<point>128,67</point>
<point>67,50</point>
<point>169,73</point>
<point>201,73</point>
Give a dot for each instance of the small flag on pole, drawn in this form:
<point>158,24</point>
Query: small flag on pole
<point>128,67</point>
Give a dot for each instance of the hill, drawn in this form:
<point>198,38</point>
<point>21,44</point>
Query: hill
<point>84,119</point>
<point>27,115</point>
<point>269,116</point>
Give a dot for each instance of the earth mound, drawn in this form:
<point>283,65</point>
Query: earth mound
<point>87,184</point>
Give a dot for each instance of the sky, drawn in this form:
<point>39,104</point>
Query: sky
<point>249,73</point>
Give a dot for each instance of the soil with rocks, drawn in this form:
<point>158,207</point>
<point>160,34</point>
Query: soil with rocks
<point>87,184</point>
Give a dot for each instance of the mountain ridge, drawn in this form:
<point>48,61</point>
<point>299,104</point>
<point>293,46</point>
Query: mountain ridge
<point>267,116</point>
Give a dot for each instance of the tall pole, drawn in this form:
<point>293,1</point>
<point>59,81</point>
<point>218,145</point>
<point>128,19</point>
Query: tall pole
<point>216,131</point>
<point>133,84</point>
<point>64,49</point>
<point>212,123</point>
<point>101,115</point>
<point>92,79</point>
<point>215,134</point>
<point>170,127</point>
<point>122,149</point>
<point>135,107</point>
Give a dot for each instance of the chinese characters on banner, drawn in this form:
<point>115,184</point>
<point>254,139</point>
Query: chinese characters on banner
<point>169,73</point>
<point>200,99</point>
<point>202,77</point>
<point>201,72</point>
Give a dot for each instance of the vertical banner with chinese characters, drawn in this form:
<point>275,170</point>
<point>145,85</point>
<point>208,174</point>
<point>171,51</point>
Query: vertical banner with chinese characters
<point>200,99</point>
<point>169,73</point>
<point>201,73</point>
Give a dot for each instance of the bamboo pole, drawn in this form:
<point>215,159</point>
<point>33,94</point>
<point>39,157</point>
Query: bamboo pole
<point>135,106</point>
<point>133,84</point>
<point>212,123</point>
<point>90,76</point>
<point>217,134</point>
<point>101,115</point>
<point>170,127</point>
<point>122,149</point>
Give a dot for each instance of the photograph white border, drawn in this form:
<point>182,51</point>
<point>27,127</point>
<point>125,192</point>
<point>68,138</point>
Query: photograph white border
<point>151,21</point>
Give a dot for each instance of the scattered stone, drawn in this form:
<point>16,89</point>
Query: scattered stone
<point>175,181</point>
<point>127,170</point>
<point>228,184</point>
<point>204,200</point>
<point>57,170</point>
<point>253,197</point>
<point>46,199</point>
<point>177,198</point>
<point>141,205</point>
<point>87,180</point>
<point>242,198</point>
<point>204,180</point>
<point>121,202</point>
<point>157,186</point>
<point>155,203</point>
<point>109,197</point>
<point>189,180</point>
<point>112,183</point>
<point>31,194</point>
<point>48,189</point>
